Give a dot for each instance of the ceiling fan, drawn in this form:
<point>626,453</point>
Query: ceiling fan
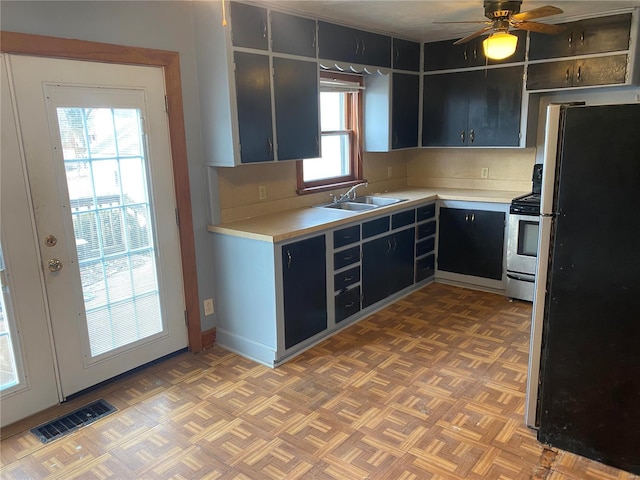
<point>505,15</point>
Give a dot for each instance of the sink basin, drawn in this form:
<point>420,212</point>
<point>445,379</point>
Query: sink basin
<point>377,201</point>
<point>350,206</point>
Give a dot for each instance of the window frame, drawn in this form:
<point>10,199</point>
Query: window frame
<point>353,116</point>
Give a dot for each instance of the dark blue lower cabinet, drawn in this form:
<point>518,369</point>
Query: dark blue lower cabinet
<point>347,303</point>
<point>304,280</point>
<point>387,265</point>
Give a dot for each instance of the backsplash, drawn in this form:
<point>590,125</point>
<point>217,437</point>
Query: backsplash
<point>509,169</point>
<point>239,195</point>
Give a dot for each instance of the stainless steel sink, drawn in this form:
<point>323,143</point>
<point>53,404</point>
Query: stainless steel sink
<point>349,206</point>
<point>366,202</point>
<point>377,201</point>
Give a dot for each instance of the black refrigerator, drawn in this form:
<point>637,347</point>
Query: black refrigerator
<point>583,391</point>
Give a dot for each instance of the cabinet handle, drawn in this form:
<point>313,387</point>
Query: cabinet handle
<point>364,47</point>
<point>472,135</point>
<point>475,51</point>
<point>348,279</point>
<point>388,245</point>
<point>466,217</point>
<point>582,38</point>
<point>566,78</point>
<point>349,257</point>
<point>269,146</point>
<point>288,259</point>
<point>579,74</point>
<point>464,53</point>
<point>462,136</point>
<point>473,217</point>
<point>397,55</point>
<point>357,46</point>
<point>349,305</point>
<point>346,237</point>
<point>313,38</point>
<point>570,40</point>
<point>264,28</point>
<point>394,244</point>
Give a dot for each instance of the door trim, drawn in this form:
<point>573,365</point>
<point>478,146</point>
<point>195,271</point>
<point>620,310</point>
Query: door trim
<point>54,47</point>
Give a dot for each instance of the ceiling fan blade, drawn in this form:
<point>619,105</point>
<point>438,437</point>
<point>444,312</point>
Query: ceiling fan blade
<point>468,21</point>
<point>537,13</point>
<point>473,35</point>
<point>539,27</point>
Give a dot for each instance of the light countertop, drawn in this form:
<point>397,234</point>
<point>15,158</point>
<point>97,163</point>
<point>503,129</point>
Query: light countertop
<point>302,221</point>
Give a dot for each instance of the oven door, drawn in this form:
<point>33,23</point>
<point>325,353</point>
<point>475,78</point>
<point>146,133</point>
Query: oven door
<point>522,244</point>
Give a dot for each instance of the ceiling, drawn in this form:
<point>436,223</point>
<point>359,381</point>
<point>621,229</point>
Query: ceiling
<point>413,19</point>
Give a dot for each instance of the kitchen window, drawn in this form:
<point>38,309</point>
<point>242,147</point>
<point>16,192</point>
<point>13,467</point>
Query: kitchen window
<point>341,124</point>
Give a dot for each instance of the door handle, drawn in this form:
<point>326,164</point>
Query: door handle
<point>54,265</point>
<point>462,136</point>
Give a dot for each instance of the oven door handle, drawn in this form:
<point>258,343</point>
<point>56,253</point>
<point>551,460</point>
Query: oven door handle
<point>521,277</point>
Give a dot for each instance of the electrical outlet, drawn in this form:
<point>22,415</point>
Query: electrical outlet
<point>262,192</point>
<point>484,173</point>
<point>208,307</point>
<point>389,172</point>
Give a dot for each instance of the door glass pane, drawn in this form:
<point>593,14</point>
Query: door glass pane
<point>8,367</point>
<point>106,172</point>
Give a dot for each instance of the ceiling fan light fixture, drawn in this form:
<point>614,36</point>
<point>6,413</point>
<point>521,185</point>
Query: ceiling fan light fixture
<point>499,45</point>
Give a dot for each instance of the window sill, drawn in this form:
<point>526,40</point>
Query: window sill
<point>326,188</point>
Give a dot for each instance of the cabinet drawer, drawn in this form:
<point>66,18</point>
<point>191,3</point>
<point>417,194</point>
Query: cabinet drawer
<point>425,246</point>
<point>402,219</point>
<point>424,267</point>
<point>346,236</point>
<point>346,257</point>
<point>347,303</point>
<point>426,229</point>
<point>426,212</point>
<point>344,279</point>
<point>375,227</point>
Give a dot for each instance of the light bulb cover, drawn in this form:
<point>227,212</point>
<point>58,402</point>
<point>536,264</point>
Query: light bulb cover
<point>499,45</point>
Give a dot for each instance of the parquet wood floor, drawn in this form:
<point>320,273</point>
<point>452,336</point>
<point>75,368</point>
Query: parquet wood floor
<point>430,388</point>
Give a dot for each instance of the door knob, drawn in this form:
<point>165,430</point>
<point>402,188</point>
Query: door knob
<point>50,240</point>
<point>55,265</point>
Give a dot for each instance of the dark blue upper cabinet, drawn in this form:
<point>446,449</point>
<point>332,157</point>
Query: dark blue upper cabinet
<point>404,111</point>
<point>249,26</point>
<point>406,55</point>
<point>345,44</point>
<point>295,85</point>
<point>445,55</point>
<point>293,35</point>
<point>253,94</point>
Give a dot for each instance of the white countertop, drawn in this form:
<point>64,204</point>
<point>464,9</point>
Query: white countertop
<point>302,221</point>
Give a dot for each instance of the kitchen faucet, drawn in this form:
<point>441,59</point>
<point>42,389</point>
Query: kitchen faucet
<point>350,194</point>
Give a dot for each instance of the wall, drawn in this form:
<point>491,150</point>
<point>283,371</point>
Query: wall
<point>509,168</point>
<point>238,187</point>
<point>166,25</point>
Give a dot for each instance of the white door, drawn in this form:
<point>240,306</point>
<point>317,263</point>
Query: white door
<point>96,144</point>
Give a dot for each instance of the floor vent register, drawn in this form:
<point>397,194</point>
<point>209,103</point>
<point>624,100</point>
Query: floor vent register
<point>72,421</point>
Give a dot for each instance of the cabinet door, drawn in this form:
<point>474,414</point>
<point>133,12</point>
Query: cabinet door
<point>405,110</point>
<point>253,96</point>
<point>293,35</point>
<point>444,55</point>
<point>376,256</point>
<point>487,244</point>
<point>445,110</point>
<point>305,291</point>
<point>402,260</point>
<point>336,42</point>
<point>495,100</point>
<point>550,75</point>
<point>295,85</point>
<point>375,49</point>
<point>249,26</point>
<point>454,239</point>
<point>406,55</point>
<point>595,35</point>
<point>600,71</point>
